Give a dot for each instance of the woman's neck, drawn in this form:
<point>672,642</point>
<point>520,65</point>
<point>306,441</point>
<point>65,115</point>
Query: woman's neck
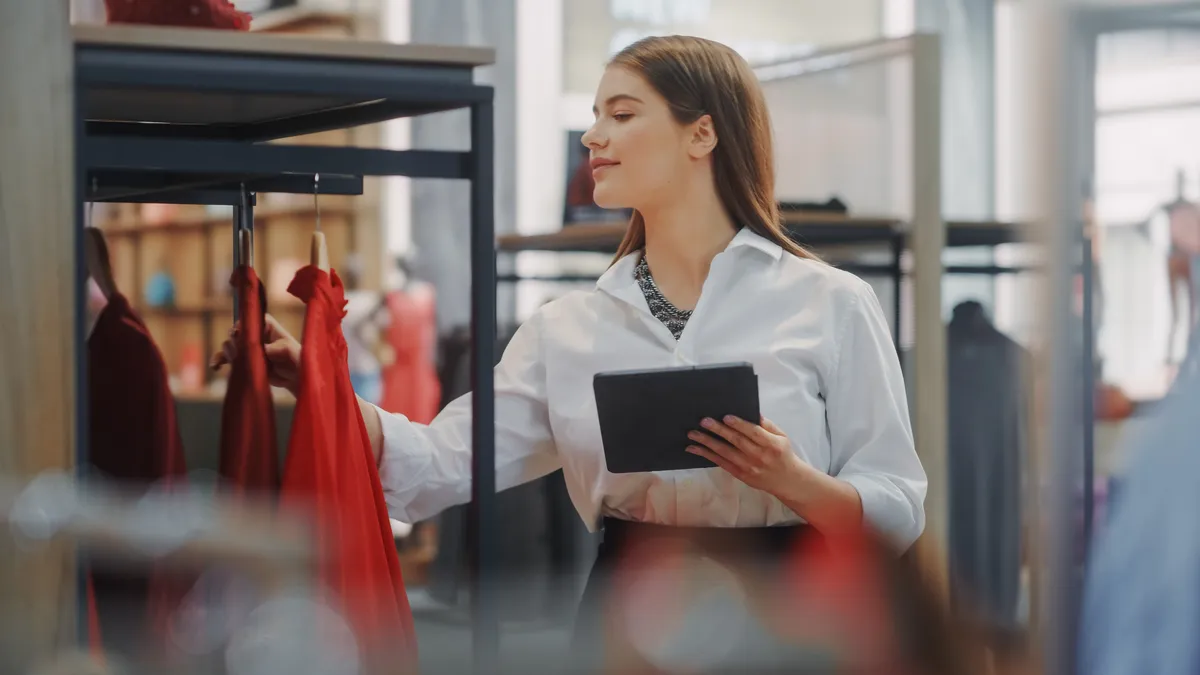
<point>681,242</point>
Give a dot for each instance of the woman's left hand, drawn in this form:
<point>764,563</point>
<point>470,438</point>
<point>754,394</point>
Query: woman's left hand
<point>759,455</point>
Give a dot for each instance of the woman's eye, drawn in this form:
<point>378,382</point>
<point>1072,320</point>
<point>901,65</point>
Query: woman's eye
<point>621,117</point>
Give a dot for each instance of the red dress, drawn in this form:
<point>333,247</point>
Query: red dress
<point>133,440</point>
<point>184,13</point>
<point>331,474</point>
<point>410,382</point>
<point>249,452</point>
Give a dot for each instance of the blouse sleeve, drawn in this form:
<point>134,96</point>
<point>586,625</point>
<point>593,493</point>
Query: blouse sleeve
<point>870,432</point>
<point>426,469</point>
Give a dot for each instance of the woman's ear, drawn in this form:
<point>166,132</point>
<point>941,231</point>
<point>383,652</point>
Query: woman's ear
<point>704,137</point>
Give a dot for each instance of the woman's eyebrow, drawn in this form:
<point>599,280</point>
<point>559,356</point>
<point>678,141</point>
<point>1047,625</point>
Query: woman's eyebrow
<point>618,97</point>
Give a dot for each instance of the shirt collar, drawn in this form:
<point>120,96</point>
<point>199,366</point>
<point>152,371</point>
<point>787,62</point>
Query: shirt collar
<point>748,237</point>
<point>619,278</point>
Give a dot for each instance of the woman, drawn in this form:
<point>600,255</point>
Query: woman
<point>705,275</point>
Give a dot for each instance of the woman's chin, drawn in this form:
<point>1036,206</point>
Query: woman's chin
<point>605,199</point>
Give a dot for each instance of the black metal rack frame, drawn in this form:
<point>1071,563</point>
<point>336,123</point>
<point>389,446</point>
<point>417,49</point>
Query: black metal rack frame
<point>815,232</point>
<point>184,123</point>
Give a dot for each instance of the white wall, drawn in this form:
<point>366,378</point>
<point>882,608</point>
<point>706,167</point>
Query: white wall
<point>541,140</point>
<point>396,202</point>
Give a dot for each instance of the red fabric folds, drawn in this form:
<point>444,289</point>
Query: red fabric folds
<point>249,453</point>
<point>181,13</point>
<point>331,474</point>
<point>133,441</point>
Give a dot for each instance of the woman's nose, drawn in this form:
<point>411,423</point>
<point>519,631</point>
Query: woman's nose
<point>592,138</point>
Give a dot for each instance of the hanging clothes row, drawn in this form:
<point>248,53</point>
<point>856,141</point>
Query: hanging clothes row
<point>329,473</point>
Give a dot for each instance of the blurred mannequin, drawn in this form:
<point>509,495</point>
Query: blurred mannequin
<point>1183,263</point>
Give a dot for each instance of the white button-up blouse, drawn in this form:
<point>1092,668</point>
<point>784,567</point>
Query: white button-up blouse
<point>828,376</point>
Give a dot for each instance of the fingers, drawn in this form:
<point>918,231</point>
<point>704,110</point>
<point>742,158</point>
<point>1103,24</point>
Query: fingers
<point>734,436</point>
<point>275,330</point>
<point>772,427</point>
<point>754,432</point>
<point>277,348</point>
<point>716,447</point>
<point>282,351</point>
<point>228,351</point>
<point>715,459</point>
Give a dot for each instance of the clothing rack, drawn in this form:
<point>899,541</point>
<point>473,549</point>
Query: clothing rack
<point>820,231</point>
<point>185,116</point>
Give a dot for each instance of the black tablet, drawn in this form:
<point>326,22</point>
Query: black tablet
<point>645,415</point>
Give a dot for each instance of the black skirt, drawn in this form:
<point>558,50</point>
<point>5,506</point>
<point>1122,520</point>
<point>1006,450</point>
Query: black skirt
<point>594,622</point>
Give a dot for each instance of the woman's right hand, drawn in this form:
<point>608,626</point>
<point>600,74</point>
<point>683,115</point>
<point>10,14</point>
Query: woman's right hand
<point>283,354</point>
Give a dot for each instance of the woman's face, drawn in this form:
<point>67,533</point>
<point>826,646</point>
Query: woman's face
<point>637,148</point>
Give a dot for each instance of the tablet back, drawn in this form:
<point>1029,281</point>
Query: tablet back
<point>645,415</point>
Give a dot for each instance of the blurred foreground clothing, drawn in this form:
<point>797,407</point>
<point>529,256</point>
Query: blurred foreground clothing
<point>331,475</point>
<point>249,458</point>
<point>718,601</point>
<point>133,440</point>
<point>1141,610</point>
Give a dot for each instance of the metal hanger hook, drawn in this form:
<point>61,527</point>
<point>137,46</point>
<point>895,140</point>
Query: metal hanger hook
<point>317,198</point>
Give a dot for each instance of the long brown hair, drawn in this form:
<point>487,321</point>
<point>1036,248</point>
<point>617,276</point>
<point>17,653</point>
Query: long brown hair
<point>700,77</point>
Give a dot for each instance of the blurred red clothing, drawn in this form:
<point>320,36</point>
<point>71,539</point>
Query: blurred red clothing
<point>180,13</point>
<point>410,381</point>
<point>331,474</point>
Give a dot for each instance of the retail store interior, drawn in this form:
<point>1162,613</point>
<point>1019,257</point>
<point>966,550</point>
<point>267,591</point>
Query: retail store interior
<point>1017,181</point>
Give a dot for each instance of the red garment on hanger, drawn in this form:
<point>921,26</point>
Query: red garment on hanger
<point>410,382</point>
<point>133,439</point>
<point>182,13</point>
<point>249,453</point>
<point>331,474</point>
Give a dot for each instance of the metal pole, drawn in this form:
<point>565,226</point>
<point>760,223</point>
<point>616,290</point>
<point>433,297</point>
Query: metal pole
<point>897,288</point>
<point>82,398</point>
<point>237,254</point>
<point>1087,362</point>
<point>481,511</point>
<point>243,223</point>
<point>1051,69</point>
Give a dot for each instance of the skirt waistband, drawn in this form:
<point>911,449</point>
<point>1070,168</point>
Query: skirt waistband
<point>771,541</point>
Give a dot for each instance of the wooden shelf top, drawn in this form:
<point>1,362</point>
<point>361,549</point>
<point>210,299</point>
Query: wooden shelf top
<point>254,43</point>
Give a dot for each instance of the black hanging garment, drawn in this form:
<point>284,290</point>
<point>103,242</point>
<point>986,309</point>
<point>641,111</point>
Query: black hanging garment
<point>986,444</point>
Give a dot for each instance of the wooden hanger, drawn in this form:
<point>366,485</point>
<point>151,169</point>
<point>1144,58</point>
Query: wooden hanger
<point>318,253</point>
<point>95,256</point>
<point>246,248</point>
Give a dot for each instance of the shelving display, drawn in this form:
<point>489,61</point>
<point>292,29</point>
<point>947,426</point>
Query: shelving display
<point>193,117</point>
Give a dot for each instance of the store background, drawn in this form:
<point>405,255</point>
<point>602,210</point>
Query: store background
<point>550,54</point>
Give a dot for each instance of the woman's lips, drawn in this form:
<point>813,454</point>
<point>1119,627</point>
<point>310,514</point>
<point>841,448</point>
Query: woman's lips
<point>599,165</point>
